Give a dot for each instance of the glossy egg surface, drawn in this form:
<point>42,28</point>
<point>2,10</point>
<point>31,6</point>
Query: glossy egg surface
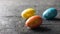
<point>28,13</point>
<point>49,13</point>
<point>34,21</point>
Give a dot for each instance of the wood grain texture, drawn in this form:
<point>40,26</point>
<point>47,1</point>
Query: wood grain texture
<point>11,21</point>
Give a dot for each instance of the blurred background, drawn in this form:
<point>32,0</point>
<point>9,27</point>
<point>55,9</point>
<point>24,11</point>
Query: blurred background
<point>15,7</point>
<point>12,23</point>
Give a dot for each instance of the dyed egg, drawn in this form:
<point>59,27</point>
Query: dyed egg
<point>33,22</point>
<point>28,13</point>
<point>49,13</point>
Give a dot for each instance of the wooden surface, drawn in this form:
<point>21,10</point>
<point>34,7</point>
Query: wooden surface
<point>12,23</point>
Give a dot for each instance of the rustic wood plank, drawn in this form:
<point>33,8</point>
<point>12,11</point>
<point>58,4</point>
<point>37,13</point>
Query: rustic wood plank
<point>12,23</point>
<point>17,23</point>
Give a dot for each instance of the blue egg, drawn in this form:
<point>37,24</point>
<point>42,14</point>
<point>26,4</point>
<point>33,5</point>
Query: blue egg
<point>49,13</point>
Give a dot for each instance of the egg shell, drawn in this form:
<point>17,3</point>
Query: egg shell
<point>33,22</point>
<point>28,13</point>
<point>49,13</point>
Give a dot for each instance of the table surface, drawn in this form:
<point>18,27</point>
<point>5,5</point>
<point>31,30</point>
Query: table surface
<point>11,21</point>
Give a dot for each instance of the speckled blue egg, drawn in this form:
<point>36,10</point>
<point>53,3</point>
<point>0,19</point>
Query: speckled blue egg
<point>50,13</point>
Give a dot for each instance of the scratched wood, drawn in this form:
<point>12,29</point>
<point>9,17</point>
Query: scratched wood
<point>11,21</point>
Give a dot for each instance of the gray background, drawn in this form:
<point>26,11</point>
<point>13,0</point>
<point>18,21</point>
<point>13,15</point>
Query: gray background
<point>12,23</point>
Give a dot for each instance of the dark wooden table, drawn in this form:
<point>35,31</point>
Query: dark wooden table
<point>11,21</point>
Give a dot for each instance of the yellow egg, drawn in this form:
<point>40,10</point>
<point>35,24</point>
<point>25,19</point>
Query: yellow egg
<point>28,13</point>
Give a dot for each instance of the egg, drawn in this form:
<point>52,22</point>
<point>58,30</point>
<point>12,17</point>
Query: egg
<point>50,13</point>
<point>28,13</point>
<point>33,22</point>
